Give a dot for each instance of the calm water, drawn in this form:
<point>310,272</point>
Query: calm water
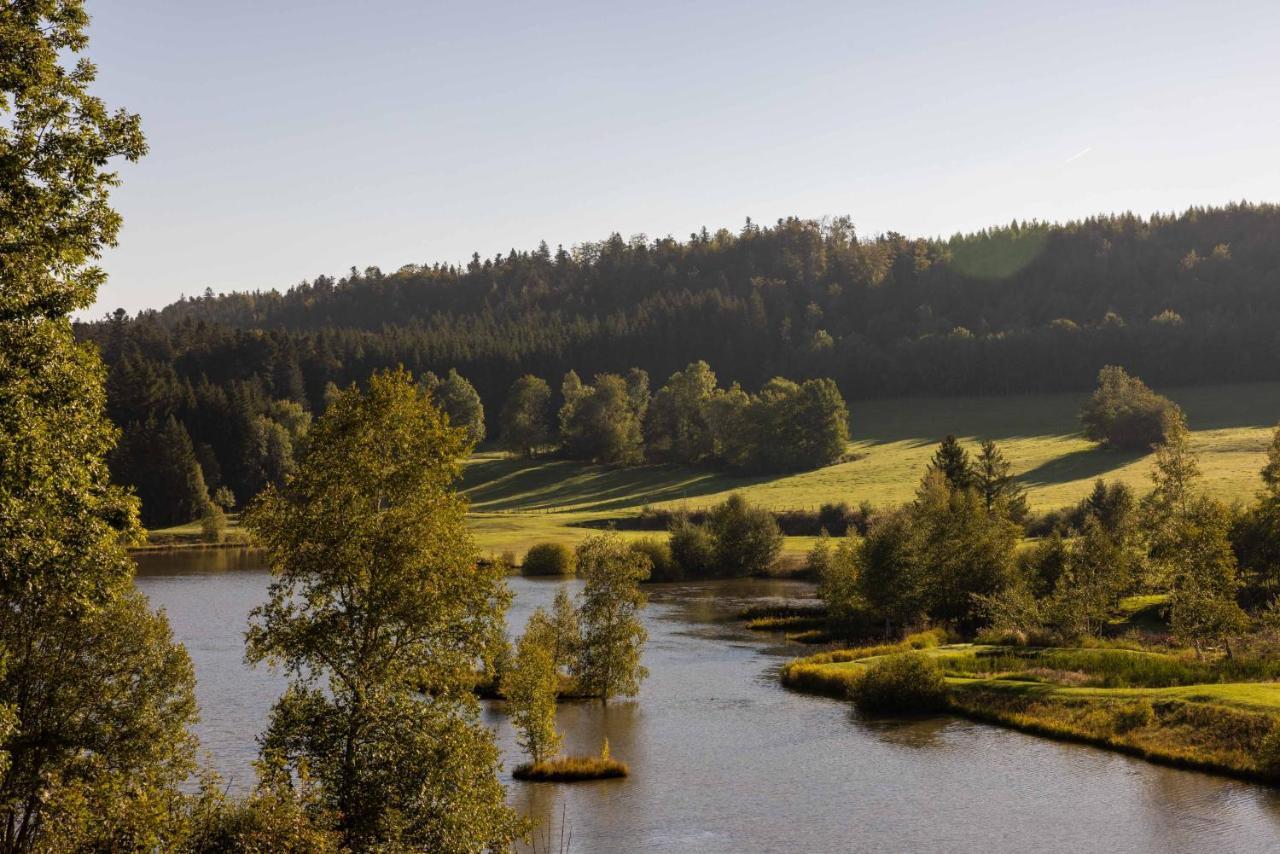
<point>724,760</point>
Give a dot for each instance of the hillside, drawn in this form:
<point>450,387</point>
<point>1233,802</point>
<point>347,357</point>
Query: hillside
<point>230,382</point>
<point>517,502</point>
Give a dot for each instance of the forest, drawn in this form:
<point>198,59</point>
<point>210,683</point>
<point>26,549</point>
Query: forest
<point>1028,307</point>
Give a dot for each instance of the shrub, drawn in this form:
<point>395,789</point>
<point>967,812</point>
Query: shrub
<point>1124,413</point>
<point>549,559</point>
<point>1269,753</point>
<point>907,683</point>
<point>659,553</point>
<point>213,525</point>
<point>1133,716</point>
<point>692,550</point>
<point>746,538</point>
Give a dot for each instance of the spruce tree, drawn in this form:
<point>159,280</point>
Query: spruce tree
<point>952,460</point>
<point>994,480</point>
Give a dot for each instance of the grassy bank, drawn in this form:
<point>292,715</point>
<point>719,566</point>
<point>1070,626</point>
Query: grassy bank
<point>1167,707</point>
<point>517,502</point>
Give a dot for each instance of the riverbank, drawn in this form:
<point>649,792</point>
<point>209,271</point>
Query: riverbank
<point>1160,706</point>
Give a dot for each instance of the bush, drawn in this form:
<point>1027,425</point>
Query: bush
<point>213,525</point>
<point>746,538</point>
<point>1123,413</point>
<point>549,559</point>
<point>907,683</point>
<point>659,553</point>
<point>692,550</point>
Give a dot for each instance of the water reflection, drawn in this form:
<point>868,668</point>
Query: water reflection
<point>724,760</point>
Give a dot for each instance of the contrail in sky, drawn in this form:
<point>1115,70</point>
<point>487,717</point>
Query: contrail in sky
<point>1077,155</point>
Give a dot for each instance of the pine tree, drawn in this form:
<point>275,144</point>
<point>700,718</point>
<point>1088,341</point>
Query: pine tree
<point>952,460</point>
<point>994,480</point>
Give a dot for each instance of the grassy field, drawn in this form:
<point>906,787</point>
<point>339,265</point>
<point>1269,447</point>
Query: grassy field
<point>1154,706</point>
<point>516,503</point>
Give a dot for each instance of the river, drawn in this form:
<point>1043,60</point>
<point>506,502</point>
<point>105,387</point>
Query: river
<point>725,760</point>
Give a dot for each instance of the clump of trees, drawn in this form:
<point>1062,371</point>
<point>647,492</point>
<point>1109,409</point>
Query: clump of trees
<point>735,539</point>
<point>1123,413</point>
<point>934,559</point>
<point>459,401</point>
<point>526,416</point>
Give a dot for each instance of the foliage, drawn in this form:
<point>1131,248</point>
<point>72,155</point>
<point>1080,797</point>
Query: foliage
<point>890,578</point>
<point>602,422</point>
<point>96,697</point>
<point>529,686</point>
<point>962,550</point>
<point>458,399</point>
<point>693,551</point>
<point>613,637</point>
<point>525,419</point>
<point>993,478</point>
<point>280,815</point>
<point>213,525</point>
<point>662,564</point>
<point>746,539</point>
<point>159,462</point>
<point>953,462</point>
<point>678,426</point>
<point>377,595</point>
<point>1124,413</point>
<point>566,634</point>
<point>903,683</point>
<point>548,559</point>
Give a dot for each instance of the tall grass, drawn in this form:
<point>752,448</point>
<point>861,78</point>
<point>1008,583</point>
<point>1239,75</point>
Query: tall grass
<point>1111,668</point>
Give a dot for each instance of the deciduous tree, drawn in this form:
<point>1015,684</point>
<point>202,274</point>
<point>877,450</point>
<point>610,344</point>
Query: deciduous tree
<point>613,637</point>
<point>380,613</point>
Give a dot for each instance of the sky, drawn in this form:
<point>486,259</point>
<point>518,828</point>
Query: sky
<point>291,139</point>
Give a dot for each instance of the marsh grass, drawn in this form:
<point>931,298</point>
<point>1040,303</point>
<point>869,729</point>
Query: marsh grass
<point>571,769</point>
<point>1201,736</point>
<point>1109,668</point>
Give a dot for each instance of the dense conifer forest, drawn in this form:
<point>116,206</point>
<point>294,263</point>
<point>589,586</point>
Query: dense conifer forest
<point>1027,307</point>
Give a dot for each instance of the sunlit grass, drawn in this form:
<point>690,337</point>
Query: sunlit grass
<point>517,502</point>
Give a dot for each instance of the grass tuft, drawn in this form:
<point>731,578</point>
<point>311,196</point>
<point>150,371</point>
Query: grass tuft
<point>571,769</point>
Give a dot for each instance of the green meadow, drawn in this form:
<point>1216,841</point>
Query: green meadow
<point>516,502</point>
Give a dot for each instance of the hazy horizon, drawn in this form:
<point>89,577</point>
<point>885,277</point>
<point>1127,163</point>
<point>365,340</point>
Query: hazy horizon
<point>298,139</point>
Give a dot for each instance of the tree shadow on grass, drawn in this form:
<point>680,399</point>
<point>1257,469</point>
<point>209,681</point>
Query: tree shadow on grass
<point>1086,464</point>
<point>500,485</point>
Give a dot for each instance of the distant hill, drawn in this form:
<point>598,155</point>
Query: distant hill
<point>1028,307</point>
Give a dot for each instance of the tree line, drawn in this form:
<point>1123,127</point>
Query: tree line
<point>1027,307</point>
<point>194,451</point>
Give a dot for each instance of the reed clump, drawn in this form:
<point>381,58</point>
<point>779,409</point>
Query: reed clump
<point>571,769</point>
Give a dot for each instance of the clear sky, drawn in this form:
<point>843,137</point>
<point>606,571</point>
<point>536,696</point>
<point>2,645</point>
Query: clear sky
<point>293,138</point>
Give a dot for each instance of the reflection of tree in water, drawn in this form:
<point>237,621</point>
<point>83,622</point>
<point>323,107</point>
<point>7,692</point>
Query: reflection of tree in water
<point>911,732</point>
<point>549,808</point>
